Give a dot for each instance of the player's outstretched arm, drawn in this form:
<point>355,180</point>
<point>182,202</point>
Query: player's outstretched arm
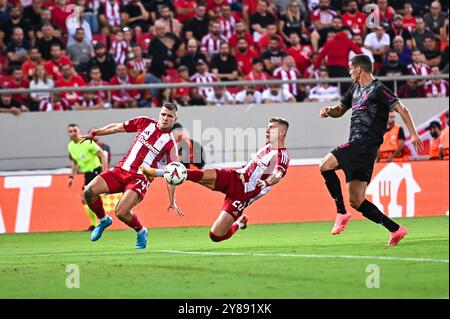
<point>172,204</point>
<point>407,119</point>
<point>335,111</point>
<point>272,180</point>
<point>107,130</point>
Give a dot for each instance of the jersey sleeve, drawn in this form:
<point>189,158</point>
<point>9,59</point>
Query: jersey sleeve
<point>136,124</point>
<point>283,161</point>
<point>346,99</point>
<point>386,97</point>
<point>94,148</point>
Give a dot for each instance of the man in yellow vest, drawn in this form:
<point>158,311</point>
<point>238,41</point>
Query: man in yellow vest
<point>435,146</point>
<point>87,158</point>
<point>392,149</point>
<point>445,141</point>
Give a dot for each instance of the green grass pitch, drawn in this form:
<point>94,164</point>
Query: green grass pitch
<point>298,260</point>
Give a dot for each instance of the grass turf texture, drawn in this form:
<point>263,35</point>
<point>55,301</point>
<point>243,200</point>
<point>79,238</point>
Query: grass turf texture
<point>34,265</point>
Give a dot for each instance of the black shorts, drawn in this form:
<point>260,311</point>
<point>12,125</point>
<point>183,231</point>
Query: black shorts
<point>356,160</point>
<point>89,176</point>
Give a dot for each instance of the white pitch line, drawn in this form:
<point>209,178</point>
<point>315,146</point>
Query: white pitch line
<point>304,256</point>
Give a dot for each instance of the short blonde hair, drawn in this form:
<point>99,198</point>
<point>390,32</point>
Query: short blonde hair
<point>279,120</point>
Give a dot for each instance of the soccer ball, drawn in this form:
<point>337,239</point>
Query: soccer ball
<point>175,173</point>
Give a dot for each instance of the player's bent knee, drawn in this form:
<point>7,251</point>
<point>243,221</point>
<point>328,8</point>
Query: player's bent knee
<point>214,237</point>
<point>88,195</point>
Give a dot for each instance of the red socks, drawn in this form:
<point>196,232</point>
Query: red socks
<point>194,175</point>
<point>230,233</point>
<point>97,208</point>
<point>134,223</point>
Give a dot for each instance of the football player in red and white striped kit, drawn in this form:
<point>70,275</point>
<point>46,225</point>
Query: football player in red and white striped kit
<point>154,144</point>
<point>245,185</point>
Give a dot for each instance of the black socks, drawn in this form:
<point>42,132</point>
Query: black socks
<point>371,212</point>
<point>334,187</point>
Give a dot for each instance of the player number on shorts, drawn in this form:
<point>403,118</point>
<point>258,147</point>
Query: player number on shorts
<point>143,184</point>
<point>239,205</point>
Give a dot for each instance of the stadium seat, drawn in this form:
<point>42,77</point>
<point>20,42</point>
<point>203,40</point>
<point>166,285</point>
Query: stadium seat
<point>4,79</point>
<point>143,39</point>
<point>99,38</point>
<point>3,64</point>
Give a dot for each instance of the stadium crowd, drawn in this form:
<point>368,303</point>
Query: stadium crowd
<point>62,43</point>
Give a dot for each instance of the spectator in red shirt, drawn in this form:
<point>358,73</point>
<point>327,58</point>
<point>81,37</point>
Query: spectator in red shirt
<point>182,95</point>
<point>18,82</point>
<point>337,50</point>
<point>111,15</point>
<point>354,19</point>
<point>271,31</point>
<point>69,79</point>
<point>258,74</point>
<point>213,7</point>
<point>53,67</point>
<point>124,98</point>
<point>409,21</point>
<point>300,53</point>
<point>95,74</point>
<point>241,32</point>
<point>29,66</point>
<point>244,57</point>
<point>185,9</point>
<point>60,13</point>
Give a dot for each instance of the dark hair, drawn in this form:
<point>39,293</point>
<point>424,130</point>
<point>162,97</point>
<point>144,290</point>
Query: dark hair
<point>176,126</point>
<point>274,38</point>
<point>434,124</point>
<point>73,125</point>
<point>362,61</point>
<point>256,61</point>
<point>170,106</point>
<point>95,67</point>
<point>279,120</point>
<point>56,45</point>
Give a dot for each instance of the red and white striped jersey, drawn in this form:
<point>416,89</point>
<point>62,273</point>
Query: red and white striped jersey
<point>138,65</point>
<point>112,13</point>
<point>325,16</point>
<point>212,44</point>
<point>437,89</point>
<point>423,69</point>
<point>120,51</point>
<point>291,74</point>
<point>227,26</point>
<point>89,104</point>
<point>266,162</point>
<point>101,93</point>
<point>151,146</point>
<point>204,78</point>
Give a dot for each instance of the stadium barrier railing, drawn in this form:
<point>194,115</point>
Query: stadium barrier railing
<point>339,81</point>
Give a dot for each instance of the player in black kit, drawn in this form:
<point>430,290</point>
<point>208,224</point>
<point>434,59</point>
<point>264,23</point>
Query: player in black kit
<point>370,102</point>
